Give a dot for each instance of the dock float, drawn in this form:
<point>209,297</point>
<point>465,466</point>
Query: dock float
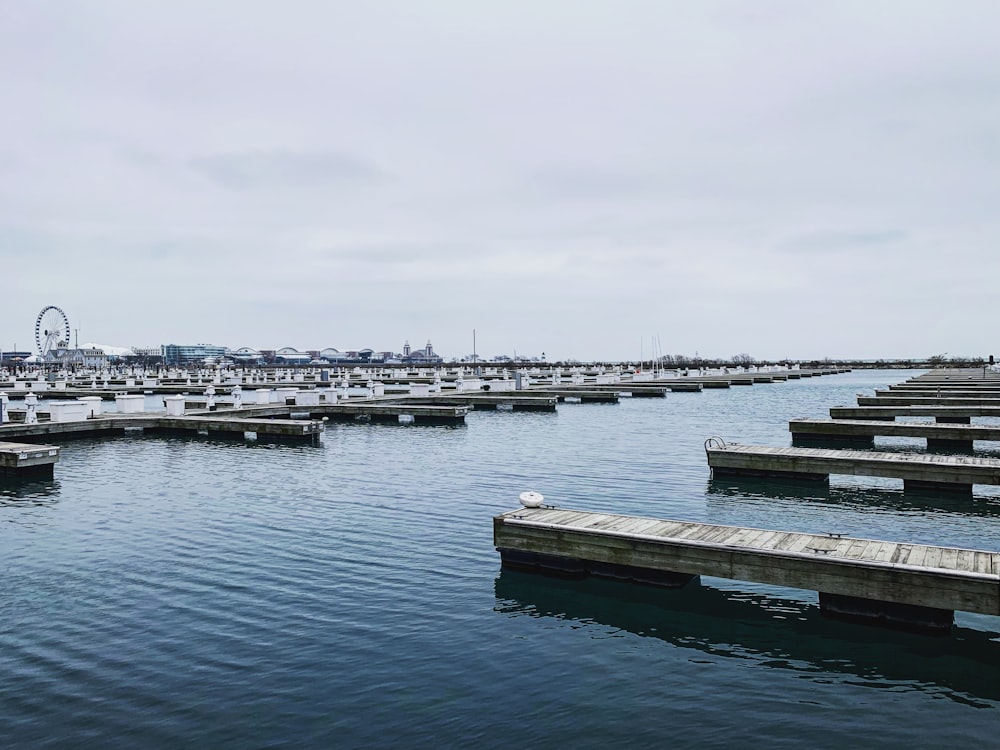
<point>905,400</point>
<point>26,460</point>
<point>386,412</point>
<point>918,471</point>
<point>479,401</point>
<point>112,424</point>
<point>943,414</point>
<point>900,584</point>
<point>864,431</point>
<point>583,395</point>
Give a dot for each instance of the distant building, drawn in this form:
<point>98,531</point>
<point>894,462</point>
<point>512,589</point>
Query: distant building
<point>90,358</point>
<point>424,356</point>
<point>245,355</point>
<point>289,355</point>
<point>177,354</point>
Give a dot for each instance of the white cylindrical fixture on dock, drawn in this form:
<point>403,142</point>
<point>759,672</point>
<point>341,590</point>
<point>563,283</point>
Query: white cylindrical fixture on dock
<point>4,400</point>
<point>175,405</point>
<point>30,409</point>
<point>263,395</point>
<point>237,397</point>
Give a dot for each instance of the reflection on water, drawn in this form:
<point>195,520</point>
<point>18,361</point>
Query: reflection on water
<point>773,632</point>
<point>27,491</point>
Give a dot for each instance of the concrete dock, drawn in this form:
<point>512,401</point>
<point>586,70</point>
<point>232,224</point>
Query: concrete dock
<point>908,585</point>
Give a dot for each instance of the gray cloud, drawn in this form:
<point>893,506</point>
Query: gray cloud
<point>561,180</point>
<point>276,169</point>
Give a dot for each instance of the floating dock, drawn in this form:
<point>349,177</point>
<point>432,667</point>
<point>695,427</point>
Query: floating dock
<point>112,424</point>
<point>514,401</point>
<point>864,431</point>
<point>918,471</point>
<point>907,400</point>
<point>355,411</point>
<point>583,395</point>
<point>943,414</point>
<point>909,585</point>
<point>26,460</point>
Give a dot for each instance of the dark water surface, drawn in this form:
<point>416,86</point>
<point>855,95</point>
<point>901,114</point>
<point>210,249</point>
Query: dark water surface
<point>164,593</point>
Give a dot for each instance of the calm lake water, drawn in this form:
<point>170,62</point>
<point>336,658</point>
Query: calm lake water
<point>165,593</point>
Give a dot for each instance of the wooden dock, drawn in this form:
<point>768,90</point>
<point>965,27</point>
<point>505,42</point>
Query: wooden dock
<point>906,400</point>
<point>118,424</point>
<point>910,585</point>
<point>864,431</point>
<point>944,414</point>
<point>918,471</point>
<point>385,412</point>
<point>27,460</point>
<point>514,401</point>
<point>583,395</point>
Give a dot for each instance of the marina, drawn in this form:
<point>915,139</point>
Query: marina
<point>371,552</point>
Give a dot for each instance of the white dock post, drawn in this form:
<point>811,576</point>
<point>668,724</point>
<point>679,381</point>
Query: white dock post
<point>237,397</point>
<point>210,397</point>
<point>4,399</point>
<point>30,406</point>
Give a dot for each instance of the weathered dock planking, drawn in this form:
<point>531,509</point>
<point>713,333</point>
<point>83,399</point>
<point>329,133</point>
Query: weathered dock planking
<point>864,431</point>
<point>906,400</point>
<point>945,414</point>
<point>23,459</point>
<point>896,583</point>
<point>918,471</point>
<point>514,402</point>
<point>636,390</point>
<point>114,424</point>
<point>583,395</point>
<point>354,411</point>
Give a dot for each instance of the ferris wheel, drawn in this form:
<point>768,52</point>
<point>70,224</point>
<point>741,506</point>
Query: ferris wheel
<point>51,329</point>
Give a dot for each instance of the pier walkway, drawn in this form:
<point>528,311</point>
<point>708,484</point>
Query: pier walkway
<point>946,414</point>
<point>914,585</point>
<point>864,431</point>
<point>918,471</point>
<point>110,424</point>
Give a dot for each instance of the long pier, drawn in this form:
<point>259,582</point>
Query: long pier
<point>918,471</point>
<point>944,414</point>
<point>111,424</point>
<point>353,411</point>
<point>515,401</point>
<point>864,431</point>
<point>903,584</point>
<point>906,400</point>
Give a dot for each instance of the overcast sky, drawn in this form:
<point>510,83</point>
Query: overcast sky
<point>785,179</point>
